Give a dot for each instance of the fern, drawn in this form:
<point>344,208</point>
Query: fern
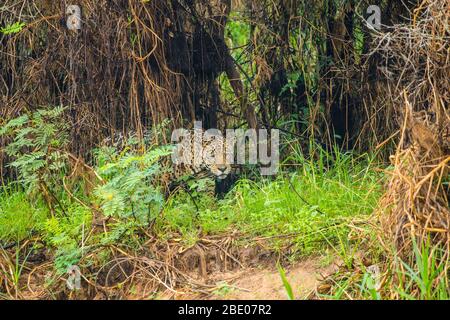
<point>35,147</point>
<point>129,191</point>
<point>66,234</point>
<point>13,28</point>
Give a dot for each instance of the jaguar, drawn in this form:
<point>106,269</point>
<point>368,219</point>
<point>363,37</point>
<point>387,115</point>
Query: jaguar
<point>197,156</point>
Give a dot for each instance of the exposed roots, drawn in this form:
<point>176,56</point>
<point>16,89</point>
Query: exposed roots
<point>113,272</point>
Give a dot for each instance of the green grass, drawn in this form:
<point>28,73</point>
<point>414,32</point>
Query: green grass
<point>307,207</point>
<point>424,276</point>
<point>312,205</point>
<point>19,218</point>
<point>22,218</point>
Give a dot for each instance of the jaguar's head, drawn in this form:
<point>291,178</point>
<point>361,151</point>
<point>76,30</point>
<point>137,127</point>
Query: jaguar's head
<point>207,157</point>
<point>217,163</point>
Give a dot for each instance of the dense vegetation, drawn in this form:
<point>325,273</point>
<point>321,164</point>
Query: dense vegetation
<point>86,118</point>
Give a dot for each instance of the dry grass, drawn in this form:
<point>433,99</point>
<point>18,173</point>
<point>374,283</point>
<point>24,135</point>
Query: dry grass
<point>130,67</point>
<point>416,64</point>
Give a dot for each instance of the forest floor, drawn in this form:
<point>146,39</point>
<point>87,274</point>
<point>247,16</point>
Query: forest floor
<point>264,282</point>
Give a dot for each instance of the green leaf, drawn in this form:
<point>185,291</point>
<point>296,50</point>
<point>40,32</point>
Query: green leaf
<point>13,28</point>
<point>14,123</point>
<point>286,283</point>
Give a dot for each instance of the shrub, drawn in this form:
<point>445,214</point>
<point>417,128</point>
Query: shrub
<point>130,191</point>
<point>37,150</point>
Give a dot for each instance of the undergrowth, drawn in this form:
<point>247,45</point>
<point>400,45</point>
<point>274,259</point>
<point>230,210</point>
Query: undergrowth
<point>312,205</point>
<point>19,217</point>
<point>310,209</point>
<point>424,276</point>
